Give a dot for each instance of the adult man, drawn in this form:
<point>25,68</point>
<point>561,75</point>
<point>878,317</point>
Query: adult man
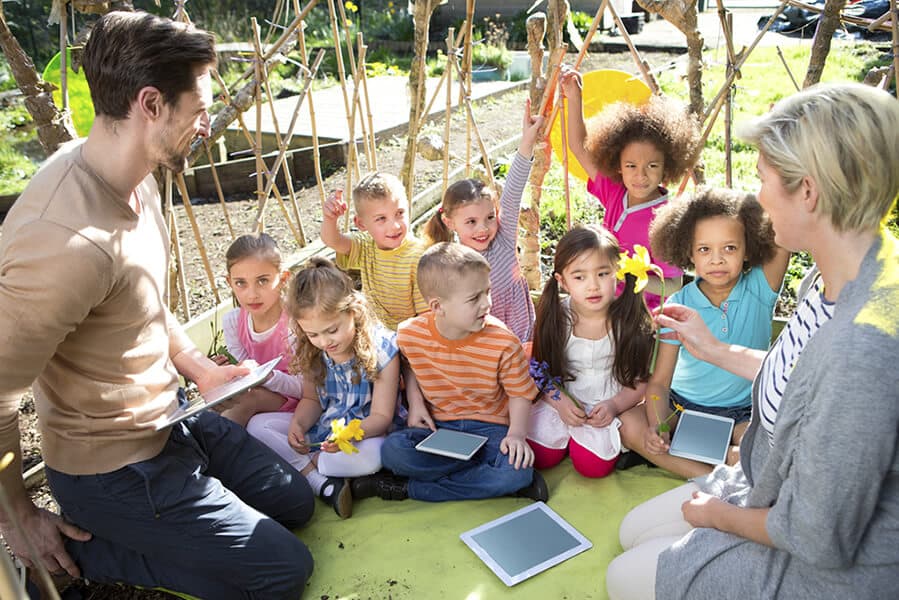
<point>200,507</point>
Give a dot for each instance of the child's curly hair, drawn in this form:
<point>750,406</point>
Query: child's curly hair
<point>671,232</point>
<point>321,286</point>
<point>662,122</point>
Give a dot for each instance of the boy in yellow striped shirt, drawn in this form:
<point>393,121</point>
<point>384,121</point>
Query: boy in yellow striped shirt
<point>383,249</point>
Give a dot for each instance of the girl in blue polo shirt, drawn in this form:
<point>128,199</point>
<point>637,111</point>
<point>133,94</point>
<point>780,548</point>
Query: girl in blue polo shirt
<point>725,237</point>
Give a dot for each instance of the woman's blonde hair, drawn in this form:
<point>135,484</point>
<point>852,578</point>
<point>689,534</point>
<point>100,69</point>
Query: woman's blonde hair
<point>321,286</point>
<point>845,137</point>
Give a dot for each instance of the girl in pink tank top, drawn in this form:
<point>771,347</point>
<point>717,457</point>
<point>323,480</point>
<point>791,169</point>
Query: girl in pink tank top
<point>258,330</point>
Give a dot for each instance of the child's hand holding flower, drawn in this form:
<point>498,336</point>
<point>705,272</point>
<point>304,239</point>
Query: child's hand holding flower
<point>342,436</point>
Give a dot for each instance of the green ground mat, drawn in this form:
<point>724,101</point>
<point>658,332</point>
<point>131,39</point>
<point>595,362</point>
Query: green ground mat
<point>411,549</point>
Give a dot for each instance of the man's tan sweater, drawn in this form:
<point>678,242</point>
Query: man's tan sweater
<point>82,317</point>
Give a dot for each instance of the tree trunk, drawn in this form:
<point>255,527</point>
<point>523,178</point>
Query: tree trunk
<point>529,220</point>
<point>54,127</point>
<point>683,15</point>
<point>421,14</point>
<point>827,25</point>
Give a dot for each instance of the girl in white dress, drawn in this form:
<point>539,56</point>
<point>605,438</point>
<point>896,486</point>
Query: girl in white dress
<point>599,347</point>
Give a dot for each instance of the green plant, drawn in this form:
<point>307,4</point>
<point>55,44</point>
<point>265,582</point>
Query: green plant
<point>487,55</point>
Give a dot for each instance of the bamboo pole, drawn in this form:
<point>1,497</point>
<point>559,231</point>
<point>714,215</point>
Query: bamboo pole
<point>176,245</point>
<point>581,53</point>
<point>555,63</point>
<point>279,160</point>
<point>352,157</point>
<point>783,61</point>
<point>341,73</point>
<point>288,33</point>
<point>353,71</point>
<point>370,143</point>
<point>316,159</point>
<point>485,155</point>
<point>635,54</point>
<point>189,211</point>
<point>894,10</point>
<point>713,113</point>
<point>424,115</point>
<point>218,188</point>
<point>742,59</point>
<point>566,185</point>
<point>450,56</point>
<point>297,231</point>
<point>726,20</point>
<point>260,163</point>
<point>872,24</point>
<point>876,23</point>
<point>63,56</point>
<point>465,82</point>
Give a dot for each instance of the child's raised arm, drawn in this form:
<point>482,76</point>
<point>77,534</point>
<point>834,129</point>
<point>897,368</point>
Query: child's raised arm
<point>530,129</point>
<point>776,268</point>
<point>572,89</point>
<point>333,209</point>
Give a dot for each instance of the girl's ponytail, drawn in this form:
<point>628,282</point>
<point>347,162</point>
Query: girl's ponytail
<point>551,329</point>
<point>436,231</point>
<point>632,330</point>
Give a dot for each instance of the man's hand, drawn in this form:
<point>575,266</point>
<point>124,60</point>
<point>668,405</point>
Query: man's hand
<point>218,375</point>
<point>45,532</point>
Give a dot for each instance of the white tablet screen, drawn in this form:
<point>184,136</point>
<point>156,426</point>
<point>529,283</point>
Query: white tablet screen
<point>702,437</point>
<point>526,542</point>
<point>455,444</point>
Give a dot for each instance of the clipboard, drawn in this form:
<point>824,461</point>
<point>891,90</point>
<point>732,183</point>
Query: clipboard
<point>219,394</point>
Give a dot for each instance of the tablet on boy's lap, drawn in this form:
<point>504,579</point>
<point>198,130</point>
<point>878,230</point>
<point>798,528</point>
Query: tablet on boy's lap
<point>452,443</point>
<point>526,542</point>
<point>702,436</point>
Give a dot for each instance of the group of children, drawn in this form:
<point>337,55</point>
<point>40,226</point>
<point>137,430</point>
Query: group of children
<point>444,330</point>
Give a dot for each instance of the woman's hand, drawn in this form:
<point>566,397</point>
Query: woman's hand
<point>703,509</point>
<point>688,328</point>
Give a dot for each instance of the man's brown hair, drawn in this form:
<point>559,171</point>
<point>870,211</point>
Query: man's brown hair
<point>128,51</point>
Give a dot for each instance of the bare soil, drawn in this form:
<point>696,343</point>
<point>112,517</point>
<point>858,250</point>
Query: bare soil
<point>498,119</point>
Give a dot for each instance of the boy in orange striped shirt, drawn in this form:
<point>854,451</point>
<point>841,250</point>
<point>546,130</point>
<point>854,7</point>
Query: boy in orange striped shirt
<point>473,375</point>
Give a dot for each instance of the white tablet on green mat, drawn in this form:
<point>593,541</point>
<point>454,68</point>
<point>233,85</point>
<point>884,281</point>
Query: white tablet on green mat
<point>703,437</point>
<point>526,542</point>
<point>452,443</point>
<point>219,394</point>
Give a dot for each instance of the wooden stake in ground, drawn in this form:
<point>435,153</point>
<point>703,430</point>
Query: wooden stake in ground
<point>372,145</point>
<point>894,11</point>
<point>316,159</point>
<point>465,81</point>
<point>421,13</point>
<point>642,65</point>
<point>189,211</point>
<point>450,59</point>
<point>178,288</point>
<point>218,187</point>
<point>567,187</point>
<point>341,73</point>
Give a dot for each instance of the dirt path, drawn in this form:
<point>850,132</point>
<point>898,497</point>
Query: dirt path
<point>498,119</point>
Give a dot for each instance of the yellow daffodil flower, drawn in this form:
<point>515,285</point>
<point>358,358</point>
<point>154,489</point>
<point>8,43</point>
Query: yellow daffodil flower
<point>350,6</point>
<point>637,264</point>
<point>343,434</point>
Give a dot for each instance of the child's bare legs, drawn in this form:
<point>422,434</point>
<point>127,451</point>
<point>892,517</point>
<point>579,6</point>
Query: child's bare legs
<point>634,426</point>
<point>257,400</point>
